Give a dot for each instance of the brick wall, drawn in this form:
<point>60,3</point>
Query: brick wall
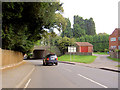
<point>10,58</point>
<point>90,49</point>
<point>115,34</point>
<point>114,54</point>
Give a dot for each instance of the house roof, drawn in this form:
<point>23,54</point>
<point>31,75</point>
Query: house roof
<point>83,44</point>
<point>116,32</point>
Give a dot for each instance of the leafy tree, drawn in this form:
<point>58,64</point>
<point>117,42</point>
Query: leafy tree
<point>68,31</point>
<point>78,31</point>
<point>80,21</point>
<point>100,42</point>
<point>90,27</point>
<point>63,43</point>
<point>86,26</point>
<point>24,23</point>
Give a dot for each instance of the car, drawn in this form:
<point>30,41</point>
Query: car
<point>50,59</point>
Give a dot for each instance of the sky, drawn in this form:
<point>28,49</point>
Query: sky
<point>103,12</point>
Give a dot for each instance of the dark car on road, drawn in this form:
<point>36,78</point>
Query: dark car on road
<point>50,59</point>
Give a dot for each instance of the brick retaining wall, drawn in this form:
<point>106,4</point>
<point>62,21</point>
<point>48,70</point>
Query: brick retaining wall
<point>8,57</point>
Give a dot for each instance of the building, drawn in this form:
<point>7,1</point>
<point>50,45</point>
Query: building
<point>81,48</point>
<point>84,47</point>
<point>114,43</point>
<point>114,39</point>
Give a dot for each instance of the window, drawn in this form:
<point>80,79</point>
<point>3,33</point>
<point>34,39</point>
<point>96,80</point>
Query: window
<point>119,47</point>
<point>113,39</point>
<point>119,38</point>
<point>113,47</point>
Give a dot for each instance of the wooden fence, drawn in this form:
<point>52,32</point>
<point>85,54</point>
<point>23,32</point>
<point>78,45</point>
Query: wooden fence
<point>9,58</point>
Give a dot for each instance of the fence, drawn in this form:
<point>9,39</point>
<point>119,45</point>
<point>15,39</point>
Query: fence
<point>9,58</point>
<point>114,54</point>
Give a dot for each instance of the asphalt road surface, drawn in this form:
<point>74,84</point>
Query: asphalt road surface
<point>70,76</point>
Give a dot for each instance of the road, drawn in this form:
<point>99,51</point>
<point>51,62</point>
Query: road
<point>70,76</point>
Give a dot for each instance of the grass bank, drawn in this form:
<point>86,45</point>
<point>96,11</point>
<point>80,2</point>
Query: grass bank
<point>114,59</point>
<point>101,53</point>
<point>77,58</point>
<point>118,66</point>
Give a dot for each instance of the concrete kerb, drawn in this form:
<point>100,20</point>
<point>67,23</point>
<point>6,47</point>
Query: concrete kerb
<point>13,65</point>
<point>25,77</point>
<point>87,65</point>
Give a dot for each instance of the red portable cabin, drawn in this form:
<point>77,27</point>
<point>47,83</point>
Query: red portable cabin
<point>84,47</point>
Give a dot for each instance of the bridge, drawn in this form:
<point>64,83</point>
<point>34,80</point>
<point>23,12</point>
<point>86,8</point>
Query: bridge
<point>41,51</point>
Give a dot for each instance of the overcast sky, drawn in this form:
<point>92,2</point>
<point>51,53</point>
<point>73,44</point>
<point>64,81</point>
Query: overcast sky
<point>103,12</point>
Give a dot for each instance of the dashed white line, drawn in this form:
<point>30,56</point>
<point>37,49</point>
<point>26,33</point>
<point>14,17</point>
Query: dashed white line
<point>93,81</point>
<point>27,83</point>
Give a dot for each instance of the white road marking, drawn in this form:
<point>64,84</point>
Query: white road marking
<point>27,83</point>
<point>93,81</point>
<point>27,76</point>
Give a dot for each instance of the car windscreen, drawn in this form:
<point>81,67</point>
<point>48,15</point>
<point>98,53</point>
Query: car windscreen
<point>53,56</point>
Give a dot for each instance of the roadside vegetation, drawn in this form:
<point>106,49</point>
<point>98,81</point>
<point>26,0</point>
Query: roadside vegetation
<point>77,58</point>
<point>28,24</point>
<point>101,53</point>
<point>118,66</point>
<point>114,59</point>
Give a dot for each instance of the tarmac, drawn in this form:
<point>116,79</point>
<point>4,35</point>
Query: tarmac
<point>19,75</point>
<point>101,62</point>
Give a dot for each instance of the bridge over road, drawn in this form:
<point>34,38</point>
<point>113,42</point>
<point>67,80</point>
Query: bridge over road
<point>40,51</point>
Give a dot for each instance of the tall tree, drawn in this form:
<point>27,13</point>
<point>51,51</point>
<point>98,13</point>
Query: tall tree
<point>86,25</point>
<point>78,31</point>
<point>80,21</point>
<point>68,31</point>
<point>90,27</point>
<point>24,23</point>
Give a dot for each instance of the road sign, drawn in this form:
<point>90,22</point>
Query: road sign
<point>72,49</point>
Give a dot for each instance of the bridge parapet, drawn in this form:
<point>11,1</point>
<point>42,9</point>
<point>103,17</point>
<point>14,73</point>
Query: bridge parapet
<point>41,47</point>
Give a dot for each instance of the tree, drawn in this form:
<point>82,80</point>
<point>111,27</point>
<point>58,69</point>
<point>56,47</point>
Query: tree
<point>68,31</point>
<point>90,27</point>
<point>63,43</point>
<point>78,31</point>
<point>24,23</point>
<point>100,42</point>
<point>80,21</point>
<point>85,25</point>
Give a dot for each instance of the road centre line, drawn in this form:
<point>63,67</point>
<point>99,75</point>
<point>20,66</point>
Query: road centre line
<point>25,79</point>
<point>92,81</point>
<point>27,83</point>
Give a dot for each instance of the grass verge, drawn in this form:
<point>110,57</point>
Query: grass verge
<point>118,66</point>
<point>77,58</point>
<point>114,59</point>
<point>101,53</point>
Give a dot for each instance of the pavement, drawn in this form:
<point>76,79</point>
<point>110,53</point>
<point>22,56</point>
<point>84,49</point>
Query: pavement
<point>25,70</point>
<point>18,75</point>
